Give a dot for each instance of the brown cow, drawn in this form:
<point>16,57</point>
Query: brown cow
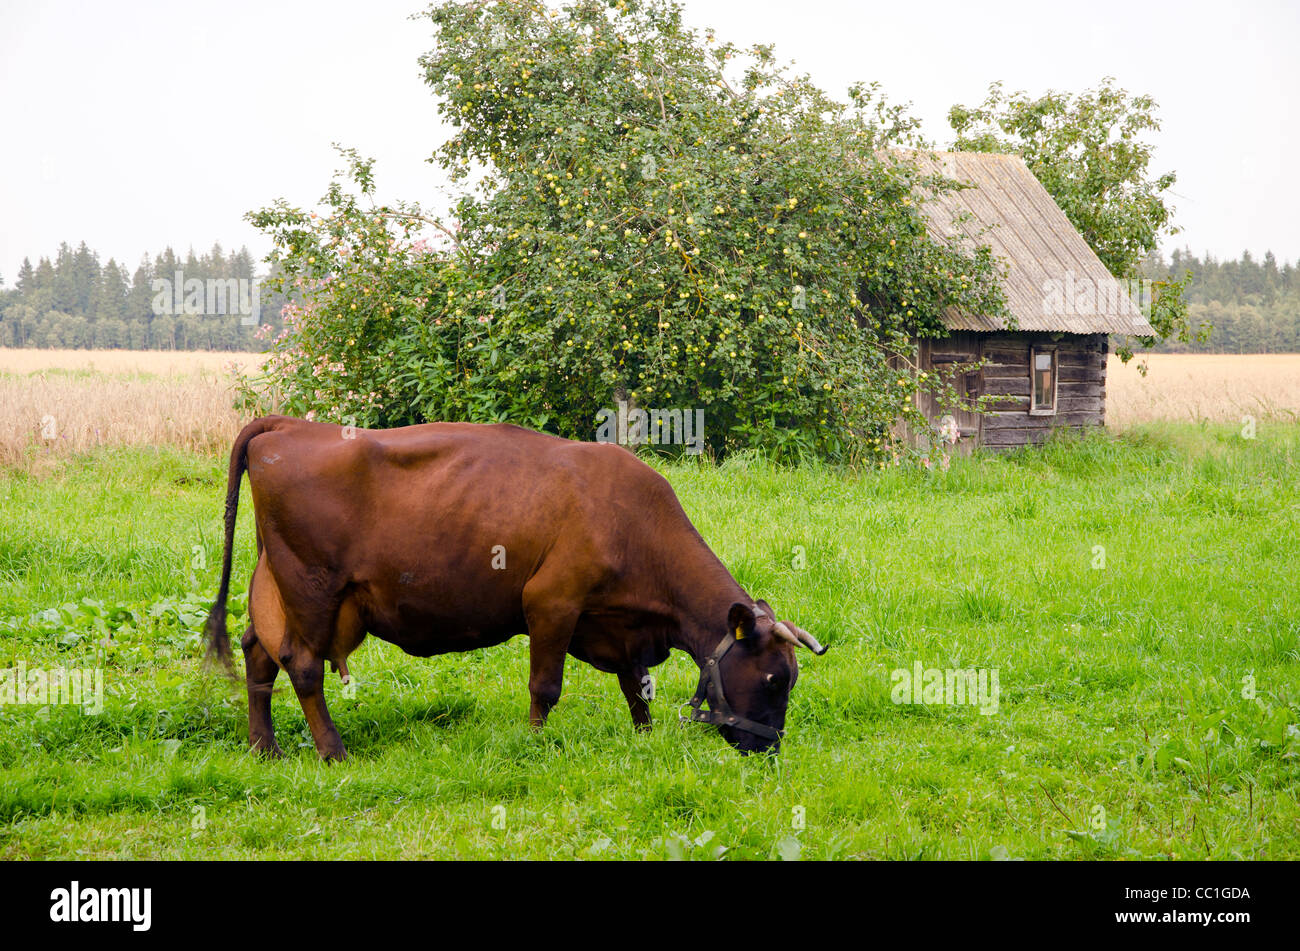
<point>454,536</point>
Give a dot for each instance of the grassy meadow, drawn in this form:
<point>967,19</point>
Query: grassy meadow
<point>1135,592</point>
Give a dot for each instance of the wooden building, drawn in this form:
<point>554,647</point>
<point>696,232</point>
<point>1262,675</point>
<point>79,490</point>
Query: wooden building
<point>1050,370</point>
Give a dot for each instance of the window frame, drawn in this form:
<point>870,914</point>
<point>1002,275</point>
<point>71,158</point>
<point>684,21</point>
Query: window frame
<point>1034,351</point>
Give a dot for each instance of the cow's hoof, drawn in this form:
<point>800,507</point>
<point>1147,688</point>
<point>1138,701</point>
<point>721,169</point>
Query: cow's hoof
<point>266,749</point>
<point>334,755</point>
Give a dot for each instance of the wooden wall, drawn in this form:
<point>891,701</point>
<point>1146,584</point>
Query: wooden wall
<point>1080,394</point>
<point>941,355</point>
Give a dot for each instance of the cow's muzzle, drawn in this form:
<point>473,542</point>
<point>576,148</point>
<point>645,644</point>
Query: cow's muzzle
<point>719,712</point>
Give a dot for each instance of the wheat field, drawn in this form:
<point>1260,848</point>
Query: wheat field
<point>54,403</point>
<point>58,402</point>
<point>165,363</point>
<point>1191,387</point>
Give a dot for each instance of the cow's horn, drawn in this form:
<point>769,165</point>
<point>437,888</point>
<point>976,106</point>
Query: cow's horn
<point>783,632</point>
<point>808,641</point>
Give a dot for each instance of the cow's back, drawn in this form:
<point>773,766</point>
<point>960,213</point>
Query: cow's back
<point>439,528</point>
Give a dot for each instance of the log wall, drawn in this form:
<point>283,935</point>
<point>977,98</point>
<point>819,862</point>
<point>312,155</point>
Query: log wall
<point>1080,393</point>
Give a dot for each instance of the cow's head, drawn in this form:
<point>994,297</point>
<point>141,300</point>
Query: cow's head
<point>758,673</point>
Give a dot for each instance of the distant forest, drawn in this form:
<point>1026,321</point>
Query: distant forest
<point>74,301</point>
<point>1253,306</point>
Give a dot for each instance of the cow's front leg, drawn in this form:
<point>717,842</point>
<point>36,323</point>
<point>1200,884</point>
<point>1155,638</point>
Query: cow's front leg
<point>259,673</point>
<point>550,629</point>
<point>307,673</point>
<point>545,678</point>
<point>638,688</point>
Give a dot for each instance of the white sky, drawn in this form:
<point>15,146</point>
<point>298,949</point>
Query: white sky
<point>140,124</point>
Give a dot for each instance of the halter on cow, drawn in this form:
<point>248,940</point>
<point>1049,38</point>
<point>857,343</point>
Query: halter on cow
<point>710,686</point>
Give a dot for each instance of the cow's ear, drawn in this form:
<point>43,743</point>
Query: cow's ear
<point>740,621</point>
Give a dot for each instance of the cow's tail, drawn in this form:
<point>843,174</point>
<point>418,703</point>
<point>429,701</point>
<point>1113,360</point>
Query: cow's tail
<point>215,630</point>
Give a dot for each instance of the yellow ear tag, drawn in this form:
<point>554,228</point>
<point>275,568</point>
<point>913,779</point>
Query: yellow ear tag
<point>740,633</point>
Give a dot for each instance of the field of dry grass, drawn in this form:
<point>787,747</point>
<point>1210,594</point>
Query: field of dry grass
<point>1190,387</point>
<point>57,402</point>
<point>166,363</point>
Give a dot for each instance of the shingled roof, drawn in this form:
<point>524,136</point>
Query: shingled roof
<point>1054,281</point>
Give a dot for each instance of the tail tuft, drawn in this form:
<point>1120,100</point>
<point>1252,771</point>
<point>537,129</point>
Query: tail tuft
<point>218,654</point>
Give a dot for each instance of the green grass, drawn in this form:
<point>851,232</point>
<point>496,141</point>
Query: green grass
<point>1122,730</point>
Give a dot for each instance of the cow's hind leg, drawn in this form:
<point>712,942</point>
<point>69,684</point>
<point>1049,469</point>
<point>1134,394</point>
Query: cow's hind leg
<point>638,690</point>
<point>259,671</point>
<point>306,668</point>
<point>261,643</point>
<point>307,674</point>
<point>280,632</point>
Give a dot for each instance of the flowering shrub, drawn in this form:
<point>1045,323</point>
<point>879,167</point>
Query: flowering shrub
<point>662,218</point>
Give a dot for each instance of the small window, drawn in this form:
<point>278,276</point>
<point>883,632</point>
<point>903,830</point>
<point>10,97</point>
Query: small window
<point>1043,370</point>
